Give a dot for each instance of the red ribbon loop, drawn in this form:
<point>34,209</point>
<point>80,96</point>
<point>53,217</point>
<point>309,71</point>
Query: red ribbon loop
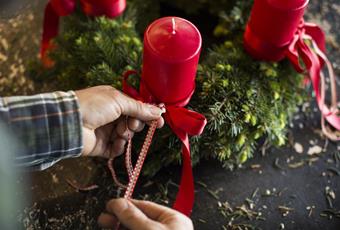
<point>313,61</point>
<point>59,8</point>
<point>187,121</point>
<point>132,92</point>
<point>183,122</point>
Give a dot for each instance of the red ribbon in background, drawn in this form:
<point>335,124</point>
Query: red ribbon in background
<point>58,8</point>
<point>276,30</point>
<point>183,122</point>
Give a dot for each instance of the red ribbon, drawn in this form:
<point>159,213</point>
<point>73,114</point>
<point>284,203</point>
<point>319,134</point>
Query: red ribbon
<point>261,45</point>
<point>183,122</point>
<point>58,8</point>
<point>313,61</point>
<point>276,30</point>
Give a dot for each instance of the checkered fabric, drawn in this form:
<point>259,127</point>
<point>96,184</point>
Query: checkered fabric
<point>48,127</point>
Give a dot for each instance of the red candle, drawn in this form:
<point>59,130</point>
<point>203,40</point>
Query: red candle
<point>109,8</point>
<point>63,7</point>
<point>271,27</point>
<point>58,8</point>
<point>171,53</point>
<point>287,4</point>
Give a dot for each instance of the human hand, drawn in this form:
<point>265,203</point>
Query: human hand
<point>142,215</point>
<point>106,128</point>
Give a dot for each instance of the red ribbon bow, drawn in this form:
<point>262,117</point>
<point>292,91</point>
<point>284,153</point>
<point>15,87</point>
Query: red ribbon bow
<point>183,122</point>
<point>58,8</point>
<point>313,61</point>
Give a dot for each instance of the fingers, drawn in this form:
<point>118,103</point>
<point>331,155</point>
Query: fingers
<point>126,128</point>
<point>98,142</point>
<point>135,125</point>
<point>118,147</point>
<point>160,122</point>
<point>132,125</point>
<point>137,109</point>
<point>143,215</point>
<point>154,211</point>
<point>123,129</point>
<point>123,133</point>
<point>102,105</point>
<point>130,216</point>
<point>161,214</point>
<point>106,220</point>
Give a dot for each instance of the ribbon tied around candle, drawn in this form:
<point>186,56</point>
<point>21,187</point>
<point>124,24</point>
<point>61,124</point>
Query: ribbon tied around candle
<point>287,37</point>
<point>183,122</point>
<point>59,8</point>
<point>313,60</point>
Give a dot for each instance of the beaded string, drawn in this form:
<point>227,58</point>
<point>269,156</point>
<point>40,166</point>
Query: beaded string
<point>133,172</point>
<point>128,163</point>
<point>113,174</point>
<point>140,161</point>
<point>81,188</point>
<point>139,164</point>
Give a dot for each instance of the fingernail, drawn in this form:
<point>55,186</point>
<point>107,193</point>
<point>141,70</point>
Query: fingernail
<point>162,107</point>
<point>155,110</point>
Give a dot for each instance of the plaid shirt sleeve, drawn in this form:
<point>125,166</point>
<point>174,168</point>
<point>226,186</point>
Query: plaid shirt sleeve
<point>48,127</point>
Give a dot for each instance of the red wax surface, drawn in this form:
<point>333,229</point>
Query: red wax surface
<point>172,47</point>
<point>271,27</point>
<point>288,4</point>
<point>108,8</point>
<point>63,7</point>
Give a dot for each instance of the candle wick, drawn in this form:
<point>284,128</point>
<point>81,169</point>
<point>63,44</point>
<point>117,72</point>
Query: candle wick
<point>173,26</point>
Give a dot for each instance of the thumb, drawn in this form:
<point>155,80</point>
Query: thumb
<point>129,215</point>
<point>161,214</point>
<point>138,109</point>
<point>155,211</point>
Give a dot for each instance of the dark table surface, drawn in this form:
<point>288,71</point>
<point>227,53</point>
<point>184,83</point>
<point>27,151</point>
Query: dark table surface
<point>285,188</point>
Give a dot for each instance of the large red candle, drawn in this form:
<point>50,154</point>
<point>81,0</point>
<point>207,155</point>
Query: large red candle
<point>172,48</point>
<point>109,8</point>
<point>271,27</point>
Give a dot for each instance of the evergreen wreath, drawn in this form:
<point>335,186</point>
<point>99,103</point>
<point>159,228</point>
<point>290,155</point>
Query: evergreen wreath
<point>244,100</point>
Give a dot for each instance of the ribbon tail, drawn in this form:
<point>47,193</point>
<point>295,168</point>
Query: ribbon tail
<point>313,62</point>
<point>328,133</point>
<point>184,122</point>
<point>186,195</point>
<point>331,73</point>
<point>332,116</point>
<point>315,73</point>
<point>293,55</point>
<point>50,30</point>
<point>317,34</point>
